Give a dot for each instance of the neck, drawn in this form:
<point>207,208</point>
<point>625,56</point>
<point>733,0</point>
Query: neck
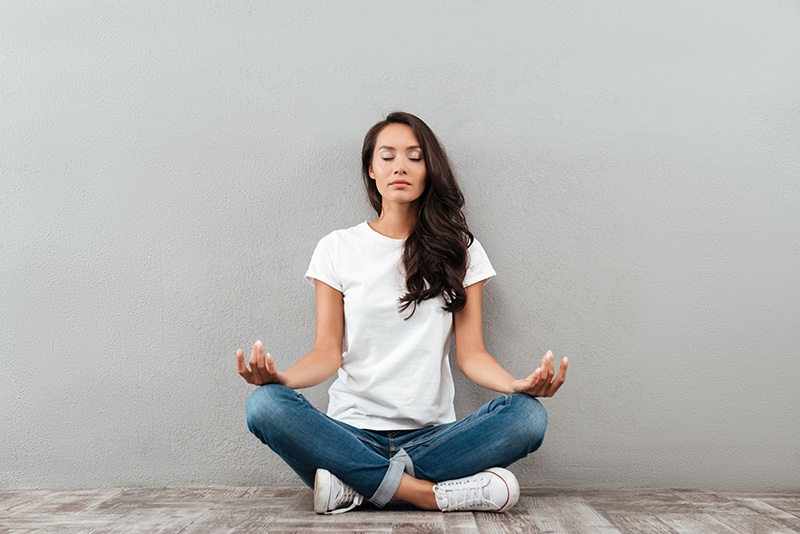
<point>397,220</point>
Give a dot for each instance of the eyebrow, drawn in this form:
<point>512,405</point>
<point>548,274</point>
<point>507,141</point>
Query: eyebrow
<point>392,148</point>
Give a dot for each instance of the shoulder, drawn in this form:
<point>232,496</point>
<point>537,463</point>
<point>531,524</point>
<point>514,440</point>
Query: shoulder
<point>476,249</point>
<point>479,266</point>
<point>343,235</point>
<point>476,245</point>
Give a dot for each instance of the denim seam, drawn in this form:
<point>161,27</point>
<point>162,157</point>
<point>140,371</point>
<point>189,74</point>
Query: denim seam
<point>416,442</point>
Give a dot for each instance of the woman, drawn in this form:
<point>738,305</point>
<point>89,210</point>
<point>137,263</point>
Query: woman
<point>395,289</point>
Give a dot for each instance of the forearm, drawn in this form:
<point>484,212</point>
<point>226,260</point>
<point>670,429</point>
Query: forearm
<point>483,369</point>
<point>312,369</point>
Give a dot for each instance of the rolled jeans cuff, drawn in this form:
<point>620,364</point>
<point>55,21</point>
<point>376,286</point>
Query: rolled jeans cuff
<point>389,484</point>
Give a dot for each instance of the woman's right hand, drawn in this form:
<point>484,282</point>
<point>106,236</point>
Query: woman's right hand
<point>262,369</point>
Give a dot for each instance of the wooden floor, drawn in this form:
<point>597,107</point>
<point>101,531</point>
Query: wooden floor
<point>289,509</point>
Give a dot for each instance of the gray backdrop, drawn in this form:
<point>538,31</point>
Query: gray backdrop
<point>632,169</point>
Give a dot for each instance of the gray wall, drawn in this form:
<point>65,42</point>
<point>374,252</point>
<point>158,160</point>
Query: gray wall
<point>632,169</point>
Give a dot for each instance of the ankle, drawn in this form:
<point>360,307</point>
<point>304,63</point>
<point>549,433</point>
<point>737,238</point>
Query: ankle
<point>428,500</point>
<point>417,492</point>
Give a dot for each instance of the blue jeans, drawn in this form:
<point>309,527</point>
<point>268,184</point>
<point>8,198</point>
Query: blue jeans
<point>501,432</point>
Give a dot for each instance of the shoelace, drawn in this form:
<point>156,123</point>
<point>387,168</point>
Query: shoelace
<point>346,494</point>
<point>461,494</point>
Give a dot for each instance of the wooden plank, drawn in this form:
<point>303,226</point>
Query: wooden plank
<point>133,499</point>
<point>765,509</point>
<point>628,501</point>
<point>228,494</point>
<point>787,503</point>
<point>703,501</point>
<point>753,524</point>
<point>418,527</point>
<point>54,521</point>
<point>62,501</point>
<point>459,523</point>
<point>565,514</point>
<point>226,521</point>
<point>50,530</point>
<point>758,494</point>
<point>12,501</point>
<point>636,523</point>
<point>781,517</point>
<point>316,530</point>
<point>152,520</point>
<point>303,502</point>
<point>304,527</point>
<point>691,523</point>
<point>505,523</point>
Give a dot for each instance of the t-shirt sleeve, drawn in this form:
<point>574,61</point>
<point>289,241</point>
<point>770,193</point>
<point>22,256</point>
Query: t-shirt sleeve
<point>480,268</point>
<point>322,266</point>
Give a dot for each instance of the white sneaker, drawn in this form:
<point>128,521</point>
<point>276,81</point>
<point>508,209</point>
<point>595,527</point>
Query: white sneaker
<point>493,490</point>
<point>331,494</point>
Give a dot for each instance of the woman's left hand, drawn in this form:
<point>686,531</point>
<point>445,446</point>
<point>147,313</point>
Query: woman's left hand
<point>541,383</point>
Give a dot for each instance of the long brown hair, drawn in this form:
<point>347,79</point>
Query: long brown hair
<point>435,253</point>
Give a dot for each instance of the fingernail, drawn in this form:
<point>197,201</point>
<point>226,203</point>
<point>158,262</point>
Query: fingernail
<point>258,343</point>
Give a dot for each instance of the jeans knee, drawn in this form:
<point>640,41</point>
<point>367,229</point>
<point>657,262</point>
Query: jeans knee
<point>264,407</point>
<point>531,421</point>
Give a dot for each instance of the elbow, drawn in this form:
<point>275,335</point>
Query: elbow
<point>332,355</point>
<point>465,360</point>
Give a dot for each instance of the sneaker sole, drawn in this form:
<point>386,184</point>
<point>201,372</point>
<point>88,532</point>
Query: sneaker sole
<point>511,483</point>
<point>322,491</point>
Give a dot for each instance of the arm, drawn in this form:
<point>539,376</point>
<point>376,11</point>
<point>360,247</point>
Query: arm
<point>325,359</point>
<point>315,367</point>
<point>480,367</point>
<point>471,356</point>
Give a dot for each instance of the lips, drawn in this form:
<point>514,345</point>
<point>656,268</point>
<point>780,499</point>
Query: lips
<point>399,182</point>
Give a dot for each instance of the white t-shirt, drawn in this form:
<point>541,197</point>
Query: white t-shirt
<point>395,374</point>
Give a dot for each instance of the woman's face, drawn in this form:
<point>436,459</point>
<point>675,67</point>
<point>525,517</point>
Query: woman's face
<point>398,166</point>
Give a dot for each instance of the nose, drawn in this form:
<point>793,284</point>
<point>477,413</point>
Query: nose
<point>399,167</point>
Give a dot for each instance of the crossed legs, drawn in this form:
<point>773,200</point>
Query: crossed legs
<point>499,433</point>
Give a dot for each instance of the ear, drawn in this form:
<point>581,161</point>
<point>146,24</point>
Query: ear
<point>371,175</point>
